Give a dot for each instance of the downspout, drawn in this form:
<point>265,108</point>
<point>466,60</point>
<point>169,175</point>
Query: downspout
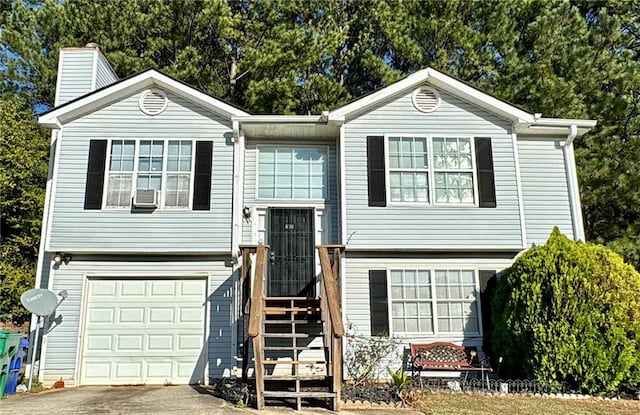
<point>516,158</point>
<point>572,182</point>
<point>236,208</point>
<point>44,235</point>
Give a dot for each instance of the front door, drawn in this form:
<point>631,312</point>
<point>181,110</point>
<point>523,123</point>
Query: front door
<point>292,256</point>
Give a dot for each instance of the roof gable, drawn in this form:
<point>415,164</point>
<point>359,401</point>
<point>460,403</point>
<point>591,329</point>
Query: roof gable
<point>439,81</point>
<point>88,103</point>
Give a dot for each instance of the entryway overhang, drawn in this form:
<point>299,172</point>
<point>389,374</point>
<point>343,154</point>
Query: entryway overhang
<point>309,127</point>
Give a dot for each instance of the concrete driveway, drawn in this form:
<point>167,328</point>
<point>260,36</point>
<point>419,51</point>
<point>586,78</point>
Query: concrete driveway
<point>119,400</point>
<point>182,399</point>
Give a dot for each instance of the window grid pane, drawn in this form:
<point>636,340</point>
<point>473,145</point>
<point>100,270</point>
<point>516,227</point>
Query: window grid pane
<point>456,301</point>
<point>453,170</point>
<point>292,173</point>
<point>179,154</point>
<point>119,184</point>
<point>411,301</point>
<point>119,190</point>
<point>409,169</point>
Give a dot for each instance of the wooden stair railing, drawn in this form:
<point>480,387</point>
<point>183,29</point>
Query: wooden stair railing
<point>245,293</point>
<point>274,320</point>
<point>252,306</point>
<point>331,302</point>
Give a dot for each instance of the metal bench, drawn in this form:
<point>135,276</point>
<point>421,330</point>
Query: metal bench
<point>444,356</point>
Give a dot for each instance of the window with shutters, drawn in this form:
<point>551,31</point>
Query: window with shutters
<point>438,170</point>
<point>162,165</point>
<point>434,301</point>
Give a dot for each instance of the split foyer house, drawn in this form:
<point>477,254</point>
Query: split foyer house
<point>182,218</point>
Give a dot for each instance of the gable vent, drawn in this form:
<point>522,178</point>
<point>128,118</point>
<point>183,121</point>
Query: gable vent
<point>153,102</point>
<point>425,99</point>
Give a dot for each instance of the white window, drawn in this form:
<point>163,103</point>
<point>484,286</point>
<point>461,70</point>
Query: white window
<point>292,172</point>
<point>453,170</point>
<point>120,173</point>
<point>408,169</point>
<point>178,174</point>
<point>164,165</point>
<point>434,301</point>
<point>426,169</point>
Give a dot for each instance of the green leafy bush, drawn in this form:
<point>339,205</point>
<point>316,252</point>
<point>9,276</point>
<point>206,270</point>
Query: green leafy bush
<point>569,312</point>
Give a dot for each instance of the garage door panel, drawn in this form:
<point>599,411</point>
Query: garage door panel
<point>159,343</point>
<point>162,314</point>
<point>133,288</point>
<point>128,370</point>
<point>97,371</point>
<point>130,315</point>
<point>160,369</point>
<point>103,288</point>
<point>101,315</point>
<point>155,338</point>
<point>98,343</point>
<point>189,288</point>
<point>163,289</point>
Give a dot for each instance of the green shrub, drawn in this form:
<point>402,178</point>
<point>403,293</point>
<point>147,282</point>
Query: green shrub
<point>569,312</point>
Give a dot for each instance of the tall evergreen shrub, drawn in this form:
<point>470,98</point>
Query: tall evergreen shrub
<point>569,312</point>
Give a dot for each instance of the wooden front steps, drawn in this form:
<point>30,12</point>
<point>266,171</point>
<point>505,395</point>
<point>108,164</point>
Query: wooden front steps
<point>293,357</point>
<point>297,341</point>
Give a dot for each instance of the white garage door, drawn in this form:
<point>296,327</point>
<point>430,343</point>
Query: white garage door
<point>144,331</point>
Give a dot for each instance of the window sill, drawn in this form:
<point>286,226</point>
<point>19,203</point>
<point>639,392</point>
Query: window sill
<point>430,205</point>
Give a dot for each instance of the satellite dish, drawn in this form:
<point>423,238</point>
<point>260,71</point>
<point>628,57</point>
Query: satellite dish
<point>39,301</point>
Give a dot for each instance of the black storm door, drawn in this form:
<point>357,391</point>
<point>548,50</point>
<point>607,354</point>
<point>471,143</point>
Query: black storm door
<point>292,257</point>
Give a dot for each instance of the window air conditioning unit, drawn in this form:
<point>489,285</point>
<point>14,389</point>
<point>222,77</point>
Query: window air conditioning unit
<point>146,198</point>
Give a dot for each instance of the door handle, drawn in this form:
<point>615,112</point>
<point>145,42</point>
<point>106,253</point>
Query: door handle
<point>272,258</point>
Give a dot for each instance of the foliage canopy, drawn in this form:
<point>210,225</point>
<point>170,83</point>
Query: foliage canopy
<point>564,58</point>
<point>569,312</point>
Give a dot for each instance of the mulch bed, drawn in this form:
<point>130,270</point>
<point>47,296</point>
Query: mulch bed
<point>235,391</point>
<point>374,393</point>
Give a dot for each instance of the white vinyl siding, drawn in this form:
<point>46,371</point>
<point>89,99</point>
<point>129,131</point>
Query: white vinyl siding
<point>120,229</point>
<point>434,301</point>
<point>545,190</point>
<point>434,225</point>
<point>75,75</point>
<point>292,172</point>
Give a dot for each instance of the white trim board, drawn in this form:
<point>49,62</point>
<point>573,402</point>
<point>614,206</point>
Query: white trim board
<point>126,87</point>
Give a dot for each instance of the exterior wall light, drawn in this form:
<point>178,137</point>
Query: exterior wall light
<point>61,257</point>
<point>246,212</point>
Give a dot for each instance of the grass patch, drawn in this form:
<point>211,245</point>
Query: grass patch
<point>439,403</point>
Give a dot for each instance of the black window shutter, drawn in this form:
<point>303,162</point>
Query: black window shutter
<point>202,176</point>
<point>486,181</point>
<point>375,171</point>
<point>378,303</point>
<point>488,281</point>
<point>95,174</point>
